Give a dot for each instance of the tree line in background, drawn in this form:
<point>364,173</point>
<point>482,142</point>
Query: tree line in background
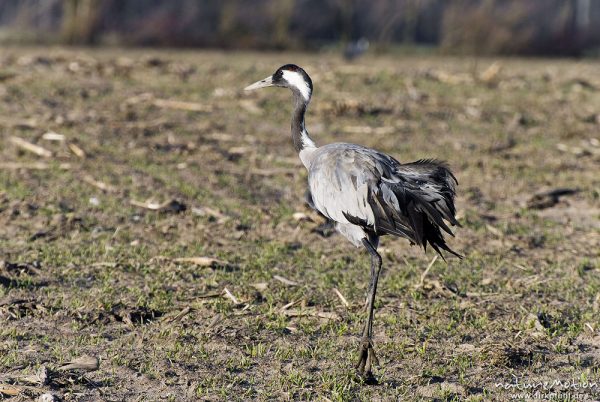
<point>566,27</point>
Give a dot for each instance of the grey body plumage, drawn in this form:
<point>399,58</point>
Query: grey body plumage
<point>359,186</point>
<point>369,194</point>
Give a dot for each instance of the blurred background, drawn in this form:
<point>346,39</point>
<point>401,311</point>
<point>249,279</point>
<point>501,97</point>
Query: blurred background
<point>488,27</point>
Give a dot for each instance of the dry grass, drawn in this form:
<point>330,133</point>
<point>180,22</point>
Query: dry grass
<point>165,233</point>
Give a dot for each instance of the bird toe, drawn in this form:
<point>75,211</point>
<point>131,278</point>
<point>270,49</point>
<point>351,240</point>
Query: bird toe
<point>366,360</point>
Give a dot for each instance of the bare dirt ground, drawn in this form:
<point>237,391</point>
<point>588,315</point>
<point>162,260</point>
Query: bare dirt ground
<point>152,216</point>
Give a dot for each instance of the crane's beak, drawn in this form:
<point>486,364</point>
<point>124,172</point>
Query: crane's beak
<point>267,82</point>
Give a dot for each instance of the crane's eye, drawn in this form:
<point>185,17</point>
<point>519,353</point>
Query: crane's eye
<point>278,76</point>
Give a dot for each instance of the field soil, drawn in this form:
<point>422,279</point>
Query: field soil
<point>155,242</point>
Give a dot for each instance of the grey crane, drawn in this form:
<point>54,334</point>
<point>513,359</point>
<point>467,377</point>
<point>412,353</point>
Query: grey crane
<point>369,194</point>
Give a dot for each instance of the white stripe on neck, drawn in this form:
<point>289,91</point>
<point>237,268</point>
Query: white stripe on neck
<point>296,80</point>
<point>306,140</point>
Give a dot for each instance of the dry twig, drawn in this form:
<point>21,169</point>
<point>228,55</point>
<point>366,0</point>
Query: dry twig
<point>424,274</point>
<point>32,166</point>
<point>201,261</point>
<point>342,298</point>
<point>88,363</point>
<point>98,184</point>
<point>230,296</point>
<point>320,314</point>
<point>80,153</point>
<point>167,206</point>
<point>285,281</point>
<point>28,146</point>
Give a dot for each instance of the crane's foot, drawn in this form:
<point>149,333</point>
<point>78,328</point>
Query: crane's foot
<point>367,359</point>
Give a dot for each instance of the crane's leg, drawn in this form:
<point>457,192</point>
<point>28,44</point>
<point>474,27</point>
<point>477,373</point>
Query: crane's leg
<point>367,352</point>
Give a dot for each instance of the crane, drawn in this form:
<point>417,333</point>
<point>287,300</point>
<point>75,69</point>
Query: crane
<point>369,194</point>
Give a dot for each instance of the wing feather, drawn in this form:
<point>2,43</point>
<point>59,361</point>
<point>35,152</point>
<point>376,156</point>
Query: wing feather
<point>357,185</point>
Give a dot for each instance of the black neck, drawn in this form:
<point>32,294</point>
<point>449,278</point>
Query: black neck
<point>300,136</point>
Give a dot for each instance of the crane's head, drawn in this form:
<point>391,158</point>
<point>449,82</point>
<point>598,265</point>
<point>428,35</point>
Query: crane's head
<point>289,76</point>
